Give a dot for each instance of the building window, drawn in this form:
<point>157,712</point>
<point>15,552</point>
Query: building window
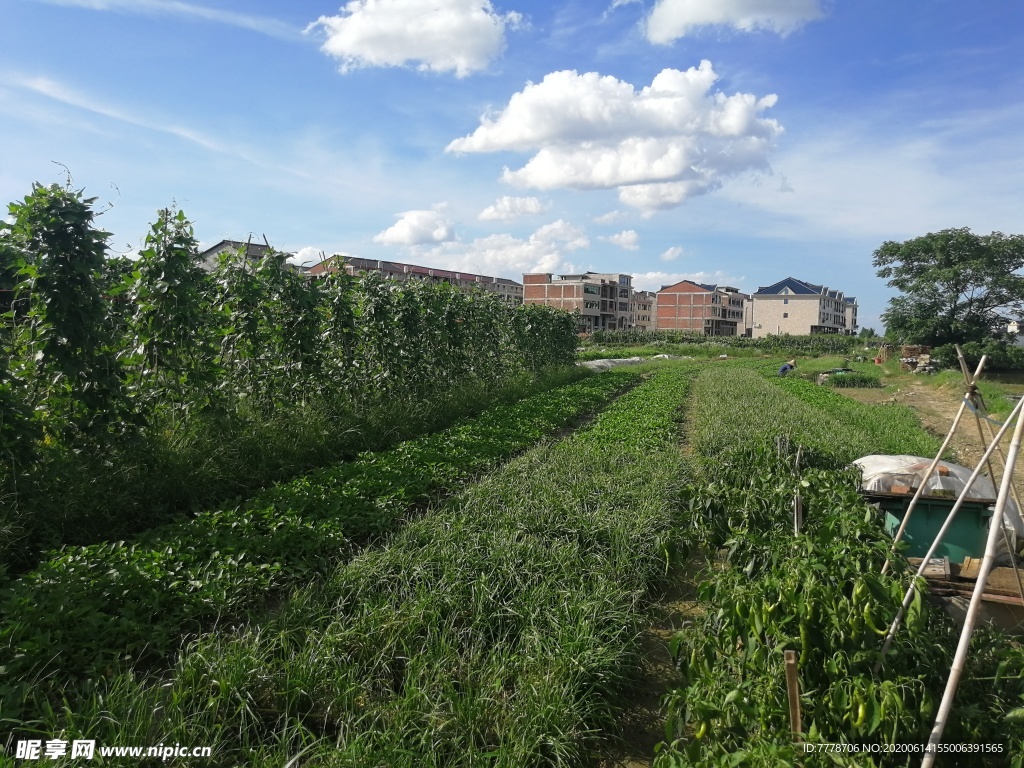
<point>785,314</point>
<point>785,301</point>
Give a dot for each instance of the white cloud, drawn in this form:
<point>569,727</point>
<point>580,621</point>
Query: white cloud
<point>308,255</point>
<point>668,142</point>
<point>653,281</point>
<point>503,255</point>
<point>506,208</point>
<point>609,218</point>
<point>439,35</point>
<point>418,228</point>
<point>858,182</point>
<point>627,239</point>
<point>671,19</point>
<point>262,24</point>
<point>673,253</point>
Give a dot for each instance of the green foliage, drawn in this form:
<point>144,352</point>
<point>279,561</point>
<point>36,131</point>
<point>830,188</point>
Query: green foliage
<point>955,286</point>
<point>89,609</point>
<point>818,593</point>
<point>169,334</point>
<point>115,371</point>
<point>853,380</point>
<point>64,347</point>
<point>821,344</point>
<point>1001,356</point>
<point>498,629</point>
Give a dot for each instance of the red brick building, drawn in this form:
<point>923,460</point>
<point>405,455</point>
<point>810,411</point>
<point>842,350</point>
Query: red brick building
<point>713,310</point>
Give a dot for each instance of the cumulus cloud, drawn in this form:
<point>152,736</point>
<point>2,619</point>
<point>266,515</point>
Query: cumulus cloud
<point>503,255</point>
<point>658,146</point>
<point>506,208</point>
<point>627,239</point>
<point>463,36</point>
<point>418,228</point>
<point>671,254</point>
<point>653,281</point>
<point>671,19</point>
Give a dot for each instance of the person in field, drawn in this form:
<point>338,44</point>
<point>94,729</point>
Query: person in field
<point>789,366</point>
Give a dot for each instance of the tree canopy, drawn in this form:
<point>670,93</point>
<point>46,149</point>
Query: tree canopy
<point>955,286</point>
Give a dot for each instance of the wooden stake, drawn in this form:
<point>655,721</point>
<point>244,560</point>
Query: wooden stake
<point>793,691</point>
<point>798,514</point>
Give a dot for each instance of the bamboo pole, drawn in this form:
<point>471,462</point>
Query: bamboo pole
<point>972,611</point>
<point>931,469</point>
<point>999,452</point>
<point>909,596</point>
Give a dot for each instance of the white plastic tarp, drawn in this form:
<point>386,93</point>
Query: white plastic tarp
<point>881,473</point>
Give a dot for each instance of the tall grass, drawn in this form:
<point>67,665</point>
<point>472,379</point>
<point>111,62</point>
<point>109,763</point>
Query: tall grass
<point>498,630</point>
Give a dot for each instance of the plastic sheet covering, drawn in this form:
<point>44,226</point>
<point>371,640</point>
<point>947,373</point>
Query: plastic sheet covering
<point>883,474</point>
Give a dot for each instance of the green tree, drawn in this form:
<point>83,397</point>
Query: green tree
<point>868,333</point>
<point>955,286</point>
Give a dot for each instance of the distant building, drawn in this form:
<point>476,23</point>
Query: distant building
<point>794,307</point>
<point>604,300</point>
<point>509,290</point>
<point>712,310</point>
<point>644,310</point>
<point>209,258</point>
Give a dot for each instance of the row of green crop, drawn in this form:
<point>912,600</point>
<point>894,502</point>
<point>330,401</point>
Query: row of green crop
<point>819,344</point>
<point>819,593</point>
<point>832,427</point>
<point>496,630</point>
<point>113,371</point>
<point>91,610</point>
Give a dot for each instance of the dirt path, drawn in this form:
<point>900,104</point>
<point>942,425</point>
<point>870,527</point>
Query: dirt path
<point>937,407</point>
<point>643,722</point>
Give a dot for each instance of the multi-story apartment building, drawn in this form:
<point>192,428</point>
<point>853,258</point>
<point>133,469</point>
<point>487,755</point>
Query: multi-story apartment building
<point>644,310</point>
<point>604,301</point>
<point>509,290</point>
<point>713,310</point>
<point>798,308</point>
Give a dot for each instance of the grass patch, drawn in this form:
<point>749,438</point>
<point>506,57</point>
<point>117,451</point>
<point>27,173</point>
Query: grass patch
<point>498,630</point>
<point>90,611</point>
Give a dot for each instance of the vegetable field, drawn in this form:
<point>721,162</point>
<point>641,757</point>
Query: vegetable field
<point>136,392</point>
<point>473,590</point>
<point>442,603</point>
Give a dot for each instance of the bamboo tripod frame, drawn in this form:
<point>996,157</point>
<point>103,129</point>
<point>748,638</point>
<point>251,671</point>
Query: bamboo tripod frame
<point>996,529</point>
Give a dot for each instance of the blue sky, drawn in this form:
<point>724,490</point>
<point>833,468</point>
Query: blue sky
<point>735,141</point>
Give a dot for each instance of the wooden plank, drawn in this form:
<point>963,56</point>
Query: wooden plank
<point>970,567</point>
<point>990,598</point>
<point>939,568</point>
